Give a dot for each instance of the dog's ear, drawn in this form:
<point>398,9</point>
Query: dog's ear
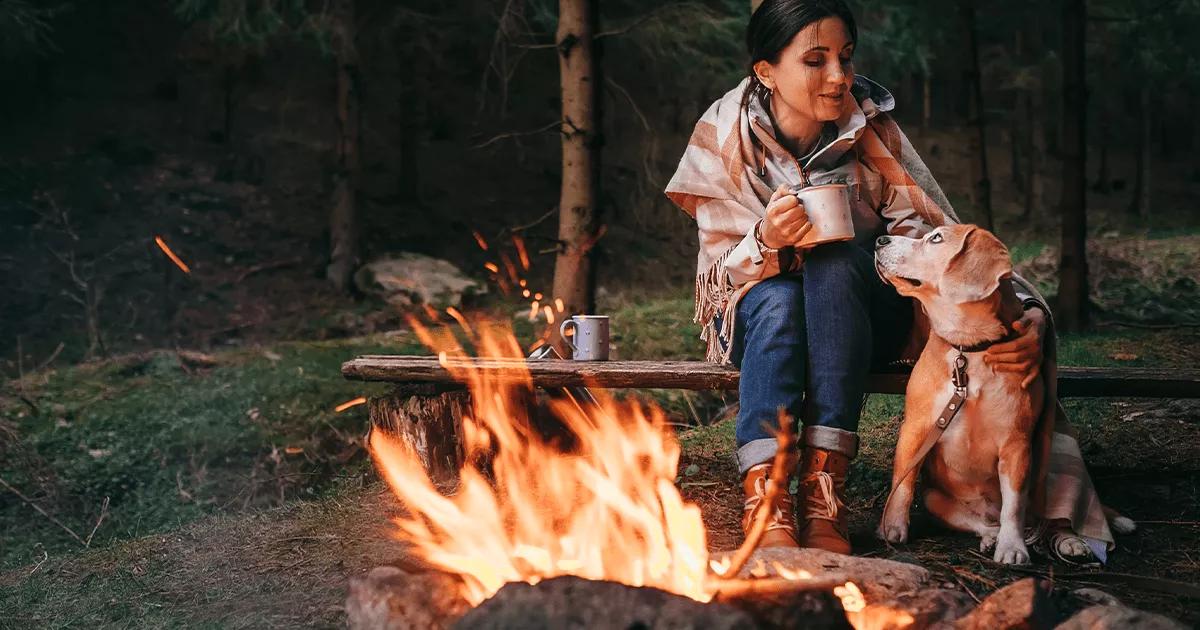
<point>975,272</point>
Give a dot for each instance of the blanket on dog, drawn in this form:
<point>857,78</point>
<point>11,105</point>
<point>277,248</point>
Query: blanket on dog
<point>725,178</point>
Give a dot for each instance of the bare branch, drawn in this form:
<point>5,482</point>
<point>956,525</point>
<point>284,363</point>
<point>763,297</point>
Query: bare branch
<point>632,103</point>
<point>517,134</point>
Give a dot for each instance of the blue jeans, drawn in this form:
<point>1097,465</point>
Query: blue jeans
<point>806,341</point>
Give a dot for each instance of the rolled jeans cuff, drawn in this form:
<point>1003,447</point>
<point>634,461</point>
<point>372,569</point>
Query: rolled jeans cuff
<point>829,439</point>
<point>755,452</point>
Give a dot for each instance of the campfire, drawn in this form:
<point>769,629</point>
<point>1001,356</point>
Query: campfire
<point>590,493</point>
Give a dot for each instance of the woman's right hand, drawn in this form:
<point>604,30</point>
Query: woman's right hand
<point>786,221</point>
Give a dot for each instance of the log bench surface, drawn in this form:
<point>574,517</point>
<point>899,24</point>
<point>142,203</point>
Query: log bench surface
<point>1089,382</point>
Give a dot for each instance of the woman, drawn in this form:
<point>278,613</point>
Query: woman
<point>805,326</point>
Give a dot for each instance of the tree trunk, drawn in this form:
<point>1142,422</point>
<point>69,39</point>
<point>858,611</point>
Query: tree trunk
<point>343,219</point>
<point>578,214</point>
<point>1017,120</point>
<point>1035,151</point>
<point>1141,187</point>
<point>982,191</point>
<point>410,126</point>
<point>1072,286</point>
<point>1103,179</point>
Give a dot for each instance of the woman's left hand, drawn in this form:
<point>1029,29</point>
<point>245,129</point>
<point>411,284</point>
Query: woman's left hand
<point>1023,354</point>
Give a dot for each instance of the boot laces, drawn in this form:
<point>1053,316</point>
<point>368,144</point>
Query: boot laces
<point>823,503</point>
<point>777,519</point>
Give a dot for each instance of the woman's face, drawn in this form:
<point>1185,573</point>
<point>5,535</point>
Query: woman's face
<point>814,73</point>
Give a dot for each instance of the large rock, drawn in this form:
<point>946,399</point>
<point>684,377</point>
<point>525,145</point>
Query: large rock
<point>1022,605</point>
<point>1118,618</point>
<point>407,278</point>
<point>390,598</point>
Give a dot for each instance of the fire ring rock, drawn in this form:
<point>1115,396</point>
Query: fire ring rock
<point>572,602</point>
<point>408,278</point>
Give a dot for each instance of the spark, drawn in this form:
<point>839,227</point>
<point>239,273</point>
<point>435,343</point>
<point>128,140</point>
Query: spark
<point>521,253</point>
<point>170,254</point>
<point>479,239</point>
<point>491,266</point>
<point>349,403</point>
<point>549,314</point>
<point>558,305</point>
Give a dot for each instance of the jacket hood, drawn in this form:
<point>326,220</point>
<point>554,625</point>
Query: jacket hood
<point>870,99</point>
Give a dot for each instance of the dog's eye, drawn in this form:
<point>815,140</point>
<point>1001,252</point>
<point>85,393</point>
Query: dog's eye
<point>936,237</point>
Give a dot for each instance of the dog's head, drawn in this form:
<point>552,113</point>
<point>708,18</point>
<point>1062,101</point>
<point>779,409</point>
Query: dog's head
<point>950,267</point>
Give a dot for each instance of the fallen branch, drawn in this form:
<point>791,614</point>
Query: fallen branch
<point>42,512</point>
<point>196,358</point>
<point>784,462</point>
<point>268,266</point>
<point>53,356</point>
<point>725,590</point>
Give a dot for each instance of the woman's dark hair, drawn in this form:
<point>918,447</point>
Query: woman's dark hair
<point>776,22</point>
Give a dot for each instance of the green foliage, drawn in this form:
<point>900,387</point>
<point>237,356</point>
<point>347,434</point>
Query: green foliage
<point>899,38</point>
<point>254,23</point>
<point>26,27</point>
<point>1153,41</point>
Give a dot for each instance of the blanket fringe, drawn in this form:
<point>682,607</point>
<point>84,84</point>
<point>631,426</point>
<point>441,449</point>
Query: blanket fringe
<point>714,296</point>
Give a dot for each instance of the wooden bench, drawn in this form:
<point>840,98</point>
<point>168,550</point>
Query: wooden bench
<point>426,404</point>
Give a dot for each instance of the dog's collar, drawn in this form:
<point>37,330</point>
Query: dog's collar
<point>1010,334</point>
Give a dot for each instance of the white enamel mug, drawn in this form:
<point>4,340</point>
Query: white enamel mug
<point>590,341</point>
<point>828,209</point>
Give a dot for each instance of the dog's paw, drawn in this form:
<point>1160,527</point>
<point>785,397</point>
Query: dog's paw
<point>1011,552</point>
<point>987,542</point>
<point>893,530</point>
<point>1123,525</point>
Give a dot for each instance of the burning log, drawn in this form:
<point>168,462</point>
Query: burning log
<point>572,602</point>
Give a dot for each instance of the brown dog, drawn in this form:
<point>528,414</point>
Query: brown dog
<point>976,474</point>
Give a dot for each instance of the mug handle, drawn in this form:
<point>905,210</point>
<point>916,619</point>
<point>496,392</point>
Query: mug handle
<point>562,333</point>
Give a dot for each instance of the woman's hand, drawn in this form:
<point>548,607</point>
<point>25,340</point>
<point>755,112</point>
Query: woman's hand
<point>1023,354</point>
<point>786,222</point>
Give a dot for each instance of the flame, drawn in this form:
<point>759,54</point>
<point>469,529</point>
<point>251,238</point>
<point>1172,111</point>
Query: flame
<point>852,598</point>
<point>597,501</point>
<point>606,507</point>
<point>170,254</point>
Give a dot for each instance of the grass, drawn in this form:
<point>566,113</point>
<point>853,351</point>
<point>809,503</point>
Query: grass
<point>167,444</point>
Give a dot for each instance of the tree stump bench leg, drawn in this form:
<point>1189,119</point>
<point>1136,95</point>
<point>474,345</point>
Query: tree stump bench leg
<point>428,418</point>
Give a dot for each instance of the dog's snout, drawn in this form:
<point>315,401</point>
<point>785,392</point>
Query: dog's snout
<point>882,241</point>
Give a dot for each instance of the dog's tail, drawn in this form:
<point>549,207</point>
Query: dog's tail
<point>1119,524</point>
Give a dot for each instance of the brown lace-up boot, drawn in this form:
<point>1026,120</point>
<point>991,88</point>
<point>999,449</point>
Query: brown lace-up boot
<point>781,525</point>
<point>821,496</point>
